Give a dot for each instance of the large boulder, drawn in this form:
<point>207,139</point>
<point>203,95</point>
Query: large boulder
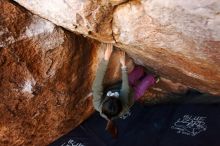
<point>91,18</point>
<point>180,40</point>
<point>45,78</point>
<point>46,75</point>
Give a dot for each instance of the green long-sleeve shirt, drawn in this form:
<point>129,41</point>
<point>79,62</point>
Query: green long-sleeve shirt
<point>125,95</point>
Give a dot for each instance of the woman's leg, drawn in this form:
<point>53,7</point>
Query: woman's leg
<point>144,84</point>
<point>135,75</point>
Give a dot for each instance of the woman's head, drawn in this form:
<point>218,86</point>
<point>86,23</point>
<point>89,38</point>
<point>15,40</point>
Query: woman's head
<point>111,107</point>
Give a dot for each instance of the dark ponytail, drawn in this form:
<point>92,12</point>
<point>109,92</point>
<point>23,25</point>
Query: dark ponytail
<point>112,129</point>
<point>111,108</point>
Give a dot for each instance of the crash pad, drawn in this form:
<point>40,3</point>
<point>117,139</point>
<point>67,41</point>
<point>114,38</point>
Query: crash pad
<point>168,124</point>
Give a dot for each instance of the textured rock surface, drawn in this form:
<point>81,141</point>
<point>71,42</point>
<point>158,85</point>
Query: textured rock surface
<point>45,78</point>
<point>91,18</point>
<point>41,72</point>
<point>178,39</point>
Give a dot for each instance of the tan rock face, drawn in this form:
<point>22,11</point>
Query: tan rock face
<point>178,39</point>
<point>91,18</point>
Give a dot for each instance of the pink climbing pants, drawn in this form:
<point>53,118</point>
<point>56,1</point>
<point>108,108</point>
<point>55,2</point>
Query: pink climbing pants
<point>140,82</point>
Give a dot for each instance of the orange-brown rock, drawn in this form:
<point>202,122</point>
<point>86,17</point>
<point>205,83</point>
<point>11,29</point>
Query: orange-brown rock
<point>45,78</point>
<point>178,39</point>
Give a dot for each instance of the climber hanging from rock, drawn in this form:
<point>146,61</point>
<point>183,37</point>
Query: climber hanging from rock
<point>116,100</point>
